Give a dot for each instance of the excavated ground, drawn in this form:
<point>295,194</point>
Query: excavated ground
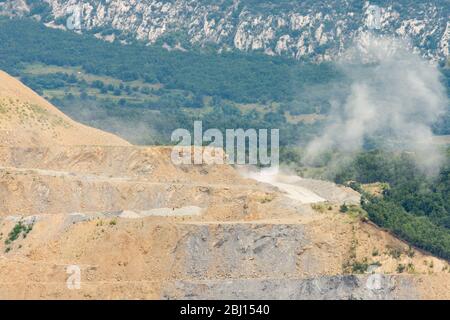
<point>138,226</point>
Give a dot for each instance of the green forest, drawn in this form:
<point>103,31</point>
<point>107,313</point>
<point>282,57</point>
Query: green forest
<point>165,90</point>
<point>414,206</point>
<point>234,76</point>
<point>152,84</point>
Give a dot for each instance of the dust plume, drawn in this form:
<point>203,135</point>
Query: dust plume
<point>395,97</point>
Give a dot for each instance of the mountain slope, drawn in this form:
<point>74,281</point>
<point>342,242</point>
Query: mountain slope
<point>301,29</point>
<point>26,119</point>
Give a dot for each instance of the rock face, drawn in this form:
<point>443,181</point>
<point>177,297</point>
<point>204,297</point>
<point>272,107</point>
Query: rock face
<point>241,251</point>
<point>320,30</point>
<point>134,225</point>
<point>349,287</point>
<point>14,8</point>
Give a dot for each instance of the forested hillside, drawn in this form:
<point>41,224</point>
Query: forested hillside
<point>166,90</point>
<point>239,77</point>
<point>412,205</point>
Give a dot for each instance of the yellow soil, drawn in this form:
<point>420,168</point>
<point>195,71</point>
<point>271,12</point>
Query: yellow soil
<point>26,119</point>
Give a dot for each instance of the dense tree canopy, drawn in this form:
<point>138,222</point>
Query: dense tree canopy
<point>416,207</point>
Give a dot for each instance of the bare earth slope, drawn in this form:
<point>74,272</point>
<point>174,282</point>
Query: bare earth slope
<point>26,119</point>
<point>139,227</point>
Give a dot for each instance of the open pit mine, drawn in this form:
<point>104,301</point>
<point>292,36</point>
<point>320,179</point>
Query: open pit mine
<point>135,226</point>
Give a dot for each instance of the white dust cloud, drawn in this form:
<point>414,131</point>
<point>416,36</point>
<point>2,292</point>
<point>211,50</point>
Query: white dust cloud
<point>395,97</point>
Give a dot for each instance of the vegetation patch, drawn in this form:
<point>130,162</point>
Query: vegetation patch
<point>414,206</point>
<point>19,229</point>
<point>354,211</point>
<point>359,267</point>
<point>320,207</point>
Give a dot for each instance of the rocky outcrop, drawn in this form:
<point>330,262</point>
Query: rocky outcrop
<point>320,30</point>
<point>14,8</point>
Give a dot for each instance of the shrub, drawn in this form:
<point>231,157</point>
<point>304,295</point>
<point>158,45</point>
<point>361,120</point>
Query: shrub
<point>343,208</point>
<point>401,268</point>
<point>360,267</point>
